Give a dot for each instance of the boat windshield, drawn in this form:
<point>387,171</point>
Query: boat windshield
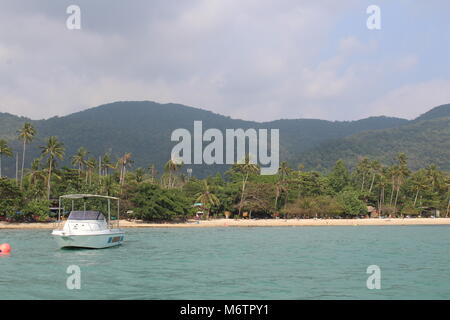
<point>86,215</point>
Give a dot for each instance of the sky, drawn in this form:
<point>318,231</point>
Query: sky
<point>249,59</point>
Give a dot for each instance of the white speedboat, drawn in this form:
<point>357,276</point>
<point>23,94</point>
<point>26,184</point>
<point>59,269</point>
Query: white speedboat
<point>88,229</point>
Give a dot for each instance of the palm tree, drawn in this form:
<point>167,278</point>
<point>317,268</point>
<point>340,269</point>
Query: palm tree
<point>79,159</point>
<point>401,173</point>
<point>207,198</point>
<point>106,164</point>
<point>434,175</point>
<point>362,169</point>
<point>419,182</point>
<point>283,172</point>
<point>26,134</point>
<point>36,173</point>
<point>6,151</point>
<point>123,163</point>
<point>375,168</point>
<point>299,174</point>
<point>90,165</point>
<point>383,182</point>
<point>391,173</point>
<point>286,173</point>
<point>171,167</point>
<point>280,187</point>
<point>52,150</point>
<point>245,168</point>
<point>153,172</point>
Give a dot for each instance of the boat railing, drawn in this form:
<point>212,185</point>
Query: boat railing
<point>58,225</point>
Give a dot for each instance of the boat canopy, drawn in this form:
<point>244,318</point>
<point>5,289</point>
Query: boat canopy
<point>83,196</point>
<point>86,215</point>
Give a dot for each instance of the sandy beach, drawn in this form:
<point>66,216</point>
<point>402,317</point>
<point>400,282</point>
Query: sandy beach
<point>254,223</point>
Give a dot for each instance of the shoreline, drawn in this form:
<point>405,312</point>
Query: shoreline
<point>253,223</point>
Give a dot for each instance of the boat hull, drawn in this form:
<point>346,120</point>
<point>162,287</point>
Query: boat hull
<point>93,241</point>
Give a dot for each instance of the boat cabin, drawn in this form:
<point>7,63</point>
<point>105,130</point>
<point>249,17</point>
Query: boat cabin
<point>85,220</point>
<point>86,215</point>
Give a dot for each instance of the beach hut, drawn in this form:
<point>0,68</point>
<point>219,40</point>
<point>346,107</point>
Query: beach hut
<point>373,212</point>
<point>428,212</point>
<point>200,209</point>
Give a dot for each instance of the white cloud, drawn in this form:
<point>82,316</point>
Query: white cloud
<point>411,100</point>
<point>257,59</point>
<point>407,63</point>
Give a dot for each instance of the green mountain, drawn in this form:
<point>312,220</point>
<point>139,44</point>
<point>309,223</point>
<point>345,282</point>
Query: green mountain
<point>425,140</point>
<point>9,124</point>
<point>144,129</point>
<point>442,111</point>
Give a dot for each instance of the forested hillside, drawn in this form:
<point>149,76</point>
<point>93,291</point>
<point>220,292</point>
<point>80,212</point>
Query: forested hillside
<point>426,140</point>
<point>144,128</point>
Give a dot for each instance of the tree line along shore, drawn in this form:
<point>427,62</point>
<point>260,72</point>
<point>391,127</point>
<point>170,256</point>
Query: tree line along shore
<point>370,189</point>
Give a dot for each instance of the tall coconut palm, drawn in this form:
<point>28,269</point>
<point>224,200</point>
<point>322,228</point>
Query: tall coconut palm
<point>375,168</point>
<point>26,134</point>
<point>245,168</point>
<point>392,175</point>
<point>281,187</point>
<point>207,198</point>
<point>362,169</point>
<point>383,182</point>
<point>123,163</point>
<point>299,174</point>
<point>6,151</point>
<point>153,172</point>
<point>171,167</point>
<point>52,150</point>
<point>106,164</point>
<point>419,182</point>
<point>79,159</point>
<point>91,164</point>
<point>284,171</point>
<point>401,173</point>
<point>434,175</point>
<point>36,177</point>
<point>36,173</point>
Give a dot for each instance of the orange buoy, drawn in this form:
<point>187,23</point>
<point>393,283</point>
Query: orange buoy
<point>5,248</point>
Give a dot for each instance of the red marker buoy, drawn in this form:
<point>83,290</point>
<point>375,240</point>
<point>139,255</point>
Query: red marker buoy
<point>5,248</point>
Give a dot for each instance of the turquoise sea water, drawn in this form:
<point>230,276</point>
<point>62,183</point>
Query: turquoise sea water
<point>235,263</point>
